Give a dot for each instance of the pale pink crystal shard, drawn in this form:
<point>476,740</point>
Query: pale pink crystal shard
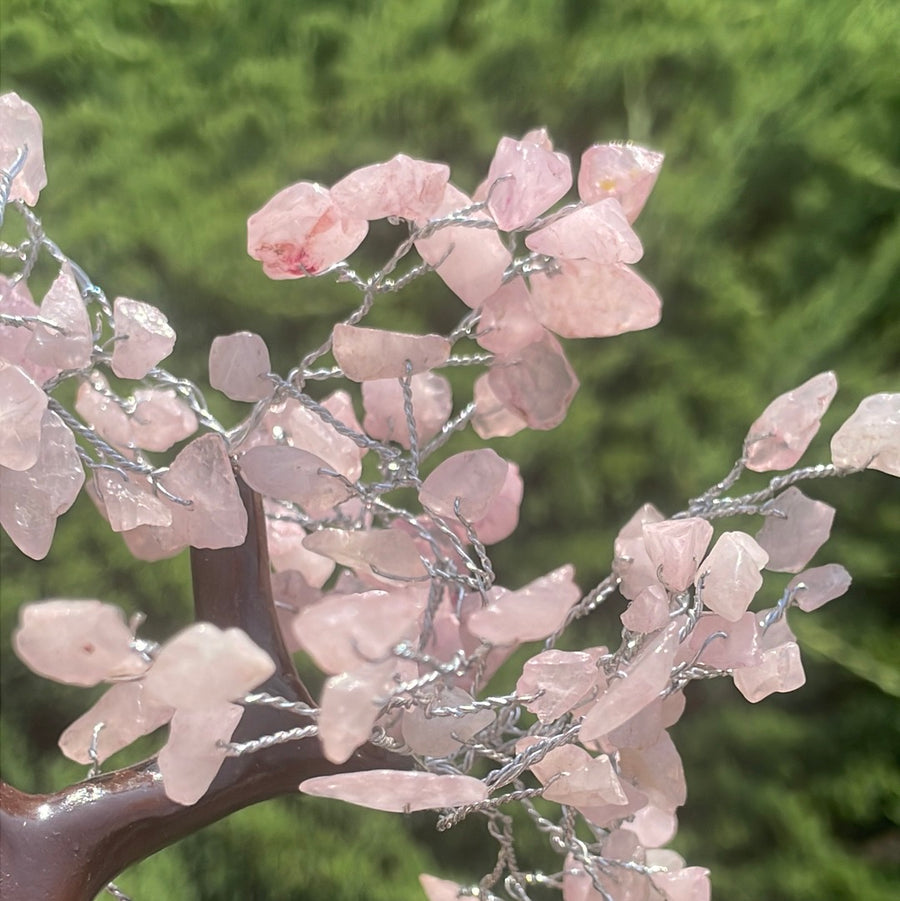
<point>780,436</point>
<point>644,728</point>
<point>793,534</point>
<point>631,563</point>
<point>396,791</point>
<point>68,343</point>
<point>22,405</point>
<point>98,407</point>
<point>585,299</point>
<point>730,575</point>
<point>153,543</point>
<point>507,321</point>
<point>652,826</point>
<point>77,642</point>
<point>15,300</point>
<point>657,771</point>
<point>493,419</point>
<point>126,712</point>
<point>403,187</point>
<point>471,478</point>
<point>33,499</point>
<point>737,646</point>
<point>22,130</point>
<point>143,338</point>
<point>369,353</point>
<point>817,586</point>
<point>437,736</point>
<point>780,670</point>
<point>286,550</point>
<point>562,677</point>
<point>160,419</point>
<point>129,502</point>
<point>870,438</point>
<point>302,231</point>
<point>676,547</point>
<point>687,884</point>
<point>624,171</point>
<point>531,613</point>
<point>439,889</point>
<point>574,777</point>
<point>387,553</point>
<point>291,593</point>
<point>238,365</point>
<point>470,261</point>
<point>191,758</point>
<point>605,815</point>
<point>203,666</point>
<point>648,612</point>
<point>503,515</point>
<point>385,419</point>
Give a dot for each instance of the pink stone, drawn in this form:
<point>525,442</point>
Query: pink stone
<point>607,815</point>
<point>503,515</point>
<point>20,127</point>
<point>657,771</point>
<point>817,586</point>
<point>791,539</point>
<point>143,338</point>
<point>738,646</point>
<point>631,563</point>
<point>618,884</point>
<point>161,419</point>
<point>529,614</point>
<point>470,261</point>
<point>192,756</point>
<point>780,436</point>
<point>153,543</point>
<point>581,780</point>
<point>562,677</point>
<point>644,728</point>
<point>129,503</point>
<point>22,406</point>
<point>402,187</point>
<point>780,670</point>
<point>438,736</point>
<point>96,404</point>
<point>387,553</point>
<point>291,593</point>
<point>15,300</point>
<point>385,420</point>
<point>730,575</point>
<point>439,889</point>
<point>302,231</point>
<point>69,343</point>
<point>652,826</point>
<point>598,232</point>
<point>676,547</point>
<point>203,666</point>
<point>648,612</point>
<point>585,299</point>
<point>687,884</point>
<point>624,171</point>
<point>31,500</point>
<point>870,438</point>
<point>368,353</point>
<point>507,321</point>
<point>492,418</point>
<point>238,366</point>
<point>286,550</point>
<point>471,478</point>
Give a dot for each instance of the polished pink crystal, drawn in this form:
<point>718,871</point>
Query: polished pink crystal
<point>686,884</point>
<point>780,670</point>
<point>737,646</point>
<point>870,438</point>
<point>606,815</point>
<point>369,353</point>
<point>493,419</point>
<point>502,516</point>
<point>730,575</point>
<point>780,436</point>
<point>15,300</point>
<point>652,826</point>
<point>648,612</point>
<point>439,889</point>
<point>152,543</point>
<point>129,502</point>
<point>507,321</point>
<point>644,728</point>
<point>794,530</point>
<point>631,563</point>
<point>572,776</point>
<point>68,343</point>
<point>286,550</point>
<point>473,479</point>
<point>143,338</point>
<point>238,366</point>
<point>657,771</point>
<point>676,547</point>
<point>96,404</point>
<point>21,129</point>
<point>388,553</point>
<point>817,586</point>
<point>624,171</point>
<point>160,419</point>
<point>438,736</point>
<point>563,678</point>
<point>385,419</point>
<point>22,406</point>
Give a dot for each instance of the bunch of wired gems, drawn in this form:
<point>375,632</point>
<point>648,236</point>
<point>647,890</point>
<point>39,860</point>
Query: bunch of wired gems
<point>400,607</point>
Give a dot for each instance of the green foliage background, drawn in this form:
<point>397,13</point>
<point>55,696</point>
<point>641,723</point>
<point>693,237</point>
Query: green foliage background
<point>773,237</point>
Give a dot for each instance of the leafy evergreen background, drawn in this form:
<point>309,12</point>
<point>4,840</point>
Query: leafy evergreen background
<point>773,237</point>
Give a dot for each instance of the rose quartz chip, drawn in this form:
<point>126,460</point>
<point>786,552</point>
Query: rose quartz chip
<point>780,670</point>
<point>644,728</point>
<point>648,612</point>
<point>870,438</point>
<point>437,736</point>
<point>129,503</point>
<point>15,300</point>
<point>624,171</point>
<point>302,231</point>
<point>492,418</point>
<point>817,586</point>
<point>652,826</point>
<point>562,677</point>
<point>385,419</point>
<point>656,771</point>
<point>20,128</point>
<point>192,756</point>
<point>387,553</point>
<point>98,407</point>
<point>676,547</point>
<point>618,884</point>
<point>507,321</point>
<point>160,419</point>
<point>736,647</point>
<point>473,478</point>
<point>286,550</point>
<point>68,344</point>
<point>687,884</point>
<point>730,575</point>
<point>203,666</point>
<point>780,436</point>
<point>581,780</point>
<point>503,516</point>
<point>607,815</point>
<point>22,405</point>
<point>631,563</point>
<point>792,538</point>
<point>153,543</point>
<point>238,365</point>
<point>369,353</point>
<point>143,338</point>
<point>439,889</point>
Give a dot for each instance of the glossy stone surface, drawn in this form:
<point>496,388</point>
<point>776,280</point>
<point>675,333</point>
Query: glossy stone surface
<point>160,419</point>
<point>676,547</point>
<point>508,322</point>
<point>238,365</point>
<point>22,406</point>
<point>624,171</point>
<point>439,889</point>
<point>792,538</point>
<point>819,585</point>
<point>631,563</point>
<point>437,736</point>
<point>368,353</point>
<point>129,503</point>
<point>686,884</point>
<point>16,300</point>
<point>286,550</point>
<point>493,419</point>
<point>69,342</point>
<point>502,516</point>
<point>730,575</point>
<point>471,478</point>
<point>648,612</point>
<point>736,646</point>
<point>143,338</point>
<point>385,419</point>
<point>780,670</point>
<point>20,127</point>
<point>572,776</point>
<point>562,677</point>
<point>384,552</point>
<point>870,438</point>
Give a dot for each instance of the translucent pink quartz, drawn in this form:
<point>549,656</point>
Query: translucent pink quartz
<point>387,553</point>
<point>631,563</point>
<point>585,299</point>
<point>385,420</point>
<point>403,187</point>
<point>15,300</point>
<point>97,406</point>
<point>618,884</point>
<point>780,436</point>
<point>129,503</point>
<point>562,677</point>
<point>737,646</point>
<point>531,613</point>
<point>780,668</point>
<point>607,815</point>
<point>295,475</point>
<point>817,586</point>
<point>204,665</point>
<point>191,758</point>
<point>648,612</point>
<point>291,593</point>
<point>492,418</point>
<point>730,575</point>
<point>20,128</point>
<point>687,884</point>
<point>536,382</point>
<point>645,678</point>
<point>143,338</point>
<point>792,538</point>
<point>652,826</point>
<point>657,771</point>
<point>31,500</point>
<point>572,776</point>
<point>439,889</point>
<point>676,547</point>
<point>471,478</point>
<point>302,231</point>
<point>870,438</point>
<point>160,419</point>
<point>398,792</point>
<point>437,736</point>
<point>22,406</point>
<point>525,179</point>
<point>151,543</point>
<point>68,344</point>
<point>286,550</point>
<point>77,642</point>
<point>470,261</point>
<point>624,171</point>
<point>238,365</point>
<point>507,321</point>
<point>126,712</point>
<point>645,727</point>
<point>503,515</point>
<point>369,353</point>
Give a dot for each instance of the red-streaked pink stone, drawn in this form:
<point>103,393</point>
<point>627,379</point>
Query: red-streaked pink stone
<point>439,889</point>
<point>624,171</point>
<point>286,550</point>
<point>631,563</point>
<point>22,128</point>
<point>160,419</point>
<point>369,353</point>
<point>781,434</point>
<point>870,438</point>
<point>474,478</point>
<point>437,736</point>
<point>67,345</point>
<point>820,585</point>
<point>143,338</point>
<point>676,547</point>
<point>737,647</point>
<point>129,503</point>
<point>22,406</point>
<point>493,419</point>
<point>687,884</point>
<point>238,365</point>
<point>792,539</point>
<point>563,677</point>
<point>503,515</point>
<point>15,300</point>
<point>385,552</point>
<point>585,299</point>
<point>385,420</point>
<point>648,612</point>
<point>730,574</point>
<point>507,321</point>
